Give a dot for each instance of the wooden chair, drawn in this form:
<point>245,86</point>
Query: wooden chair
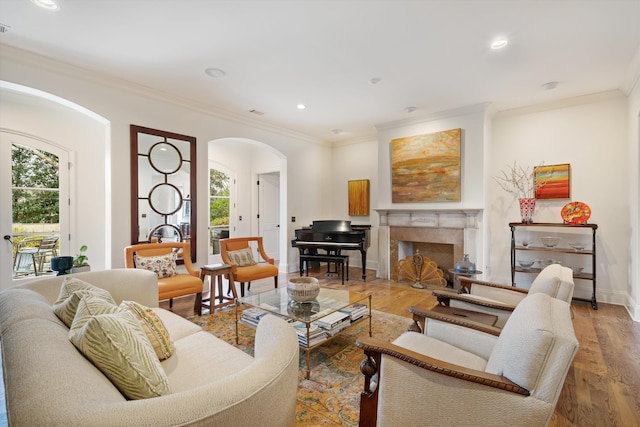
<point>245,269</point>
<point>178,285</point>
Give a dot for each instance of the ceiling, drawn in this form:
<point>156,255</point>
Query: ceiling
<point>432,55</point>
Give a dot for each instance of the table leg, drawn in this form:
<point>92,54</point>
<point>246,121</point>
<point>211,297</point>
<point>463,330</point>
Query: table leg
<point>237,338</point>
<point>370,316</point>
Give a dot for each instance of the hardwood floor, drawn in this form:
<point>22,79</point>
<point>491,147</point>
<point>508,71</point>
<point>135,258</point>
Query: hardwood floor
<point>603,385</point>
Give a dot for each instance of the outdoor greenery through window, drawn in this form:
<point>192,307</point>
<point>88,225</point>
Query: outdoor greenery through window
<point>218,208</point>
<point>35,192</point>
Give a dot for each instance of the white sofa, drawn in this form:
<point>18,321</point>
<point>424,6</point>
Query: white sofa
<point>49,382</point>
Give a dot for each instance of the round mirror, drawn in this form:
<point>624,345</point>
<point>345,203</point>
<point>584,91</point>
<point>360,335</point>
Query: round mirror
<point>165,199</point>
<point>166,233</point>
<point>165,158</point>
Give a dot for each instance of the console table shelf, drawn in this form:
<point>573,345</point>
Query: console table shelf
<point>526,244</point>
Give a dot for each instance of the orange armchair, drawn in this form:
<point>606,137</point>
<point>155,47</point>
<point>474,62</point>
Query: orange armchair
<point>237,252</point>
<point>176,285</point>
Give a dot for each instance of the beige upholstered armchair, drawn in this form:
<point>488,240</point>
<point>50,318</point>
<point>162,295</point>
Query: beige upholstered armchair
<point>238,252</point>
<point>500,300</point>
<point>460,376</point>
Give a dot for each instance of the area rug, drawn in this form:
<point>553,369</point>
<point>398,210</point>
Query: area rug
<point>331,397</point>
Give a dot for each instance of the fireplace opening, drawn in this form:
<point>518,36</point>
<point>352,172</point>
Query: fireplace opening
<point>444,246</point>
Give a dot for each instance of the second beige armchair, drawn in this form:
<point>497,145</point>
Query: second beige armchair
<point>500,300</point>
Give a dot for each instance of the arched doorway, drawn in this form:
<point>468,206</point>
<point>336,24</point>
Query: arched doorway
<point>246,161</point>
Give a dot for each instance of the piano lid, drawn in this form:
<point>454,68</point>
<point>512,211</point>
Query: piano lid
<point>331,225</point>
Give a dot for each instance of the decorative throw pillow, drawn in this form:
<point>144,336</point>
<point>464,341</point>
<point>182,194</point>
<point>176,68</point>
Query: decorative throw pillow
<point>152,326</point>
<point>71,292</point>
<point>116,344</point>
<point>241,257</point>
<point>88,307</point>
<point>162,265</point>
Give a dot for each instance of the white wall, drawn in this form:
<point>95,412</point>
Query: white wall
<point>122,105</point>
<point>353,162</point>
<point>84,140</point>
<point>592,138</point>
<point>473,123</point>
<point>633,285</point>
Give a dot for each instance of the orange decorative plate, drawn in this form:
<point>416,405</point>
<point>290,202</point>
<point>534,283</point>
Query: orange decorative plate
<point>575,213</point>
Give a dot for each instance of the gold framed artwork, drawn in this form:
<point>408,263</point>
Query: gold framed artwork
<point>426,168</point>
<point>359,197</point>
<point>553,181</point>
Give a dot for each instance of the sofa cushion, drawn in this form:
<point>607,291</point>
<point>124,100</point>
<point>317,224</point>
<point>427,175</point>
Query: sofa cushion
<point>153,327</point>
<point>241,257</point>
<point>440,350</point>
<point>162,265</point>
<point>116,344</point>
<point>175,324</point>
<point>71,292</point>
<point>555,281</point>
<point>185,368</point>
<point>525,342</point>
<point>17,305</point>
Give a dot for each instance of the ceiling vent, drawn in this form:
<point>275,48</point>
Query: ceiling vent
<point>4,28</point>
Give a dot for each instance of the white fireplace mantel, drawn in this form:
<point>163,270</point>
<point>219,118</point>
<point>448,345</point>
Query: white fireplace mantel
<point>445,218</point>
<point>469,220</point>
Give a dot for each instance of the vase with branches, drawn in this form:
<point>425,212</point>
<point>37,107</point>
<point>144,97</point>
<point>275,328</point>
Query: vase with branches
<point>520,182</point>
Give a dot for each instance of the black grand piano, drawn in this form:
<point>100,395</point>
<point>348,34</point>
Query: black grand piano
<point>334,236</point>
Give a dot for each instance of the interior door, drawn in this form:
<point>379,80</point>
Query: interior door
<point>269,212</point>
<point>18,220</point>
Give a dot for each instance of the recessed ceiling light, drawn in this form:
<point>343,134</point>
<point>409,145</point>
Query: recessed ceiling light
<point>499,44</point>
<point>410,109</point>
<point>46,4</point>
<point>215,72</point>
<point>549,85</point>
<point>301,106</point>
<point>337,131</point>
<point>374,81</point>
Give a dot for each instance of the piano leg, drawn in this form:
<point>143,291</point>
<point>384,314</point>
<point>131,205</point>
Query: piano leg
<point>364,265</point>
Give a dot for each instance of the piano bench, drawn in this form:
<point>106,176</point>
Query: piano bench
<point>339,260</point>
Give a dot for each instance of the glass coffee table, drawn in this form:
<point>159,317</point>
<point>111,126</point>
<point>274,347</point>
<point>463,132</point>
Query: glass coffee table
<point>316,322</point>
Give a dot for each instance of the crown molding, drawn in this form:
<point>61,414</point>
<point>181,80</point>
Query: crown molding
<point>55,66</point>
<point>562,103</point>
<point>462,111</point>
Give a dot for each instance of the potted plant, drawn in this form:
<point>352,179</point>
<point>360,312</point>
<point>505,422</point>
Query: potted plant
<point>81,261</point>
<point>520,182</point>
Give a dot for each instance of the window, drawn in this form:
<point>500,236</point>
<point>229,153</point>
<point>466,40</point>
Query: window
<point>219,192</point>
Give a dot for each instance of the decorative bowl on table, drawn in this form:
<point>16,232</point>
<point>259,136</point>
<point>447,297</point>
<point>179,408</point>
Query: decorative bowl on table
<point>526,263</point>
<point>550,241</point>
<point>303,289</point>
<point>577,246</point>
